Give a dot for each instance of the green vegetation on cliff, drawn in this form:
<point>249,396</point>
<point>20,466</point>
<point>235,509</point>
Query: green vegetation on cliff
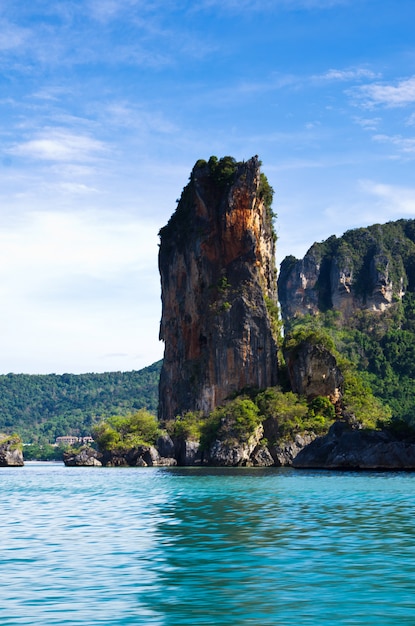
<point>284,414</point>
<point>124,432</point>
<point>382,347</point>
<point>43,407</point>
<point>219,174</point>
<point>361,291</point>
<point>359,398</point>
<point>291,414</point>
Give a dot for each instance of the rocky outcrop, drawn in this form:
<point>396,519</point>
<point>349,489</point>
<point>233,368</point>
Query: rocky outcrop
<point>313,372</point>
<point>141,456</point>
<point>284,452</point>
<point>11,454</point>
<point>365,269</point>
<point>347,448</point>
<point>217,275</point>
<point>188,452</point>
<point>233,451</point>
<point>85,457</point>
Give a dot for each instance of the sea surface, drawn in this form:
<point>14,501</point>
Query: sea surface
<point>188,546</point>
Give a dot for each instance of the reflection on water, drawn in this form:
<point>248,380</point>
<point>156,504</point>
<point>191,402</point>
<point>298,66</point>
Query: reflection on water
<point>171,547</point>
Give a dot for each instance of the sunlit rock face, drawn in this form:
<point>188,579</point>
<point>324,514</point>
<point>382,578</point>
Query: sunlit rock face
<point>365,269</point>
<point>218,273</point>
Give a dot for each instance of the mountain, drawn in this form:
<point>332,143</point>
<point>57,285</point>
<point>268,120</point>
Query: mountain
<point>365,269</point>
<point>360,289</point>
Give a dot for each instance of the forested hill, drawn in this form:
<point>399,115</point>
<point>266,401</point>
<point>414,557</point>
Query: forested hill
<point>360,290</point>
<point>43,407</point>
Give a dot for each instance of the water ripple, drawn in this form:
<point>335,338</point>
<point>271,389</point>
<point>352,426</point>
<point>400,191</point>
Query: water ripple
<point>174,547</point>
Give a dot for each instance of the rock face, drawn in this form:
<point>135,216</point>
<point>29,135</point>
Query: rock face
<point>11,454</point>
<point>367,268</point>
<point>347,448</point>
<point>231,451</point>
<point>142,456</point>
<point>313,372</point>
<point>85,457</point>
<point>217,275</point>
<point>285,452</point>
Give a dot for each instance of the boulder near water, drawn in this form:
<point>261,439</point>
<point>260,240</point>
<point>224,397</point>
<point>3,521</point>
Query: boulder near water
<point>11,454</point>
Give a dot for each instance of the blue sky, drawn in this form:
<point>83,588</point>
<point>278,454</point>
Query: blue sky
<point>105,105</point>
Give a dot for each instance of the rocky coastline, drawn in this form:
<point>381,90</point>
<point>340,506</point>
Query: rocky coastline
<point>345,447</point>
<point>221,328</point>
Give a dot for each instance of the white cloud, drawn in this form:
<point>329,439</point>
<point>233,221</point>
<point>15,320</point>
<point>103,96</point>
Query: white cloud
<point>105,10</point>
<point>79,286</point>
<point>401,94</point>
<point>94,243</point>
<point>394,199</point>
<point>11,36</point>
<point>76,188</point>
<point>124,114</point>
<point>346,75</point>
<point>404,144</point>
<point>368,123</point>
<point>56,144</point>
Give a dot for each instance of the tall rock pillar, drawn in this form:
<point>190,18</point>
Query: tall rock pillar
<point>218,281</point>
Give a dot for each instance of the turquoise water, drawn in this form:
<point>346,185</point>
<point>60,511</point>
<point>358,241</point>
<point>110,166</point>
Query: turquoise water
<point>173,547</point>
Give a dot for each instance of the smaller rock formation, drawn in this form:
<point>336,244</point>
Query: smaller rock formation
<point>147,456</point>
<point>11,454</point>
<point>232,451</point>
<point>345,447</point>
<point>284,452</point>
<point>85,457</point>
<point>188,452</point>
<point>313,372</point>
<point>261,457</point>
<point>141,456</point>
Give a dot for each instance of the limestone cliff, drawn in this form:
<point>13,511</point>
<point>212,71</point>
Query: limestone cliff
<point>367,268</point>
<point>218,274</point>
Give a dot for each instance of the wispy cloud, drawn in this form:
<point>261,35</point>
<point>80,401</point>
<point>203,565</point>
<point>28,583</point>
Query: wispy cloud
<point>128,115</point>
<point>68,35</point>
<point>350,74</point>
<point>56,144</point>
<point>392,198</point>
<point>404,144</point>
<point>12,36</point>
<point>382,94</point>
<point>368,123</point>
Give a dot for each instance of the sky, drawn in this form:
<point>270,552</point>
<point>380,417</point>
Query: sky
<point>106,105</point>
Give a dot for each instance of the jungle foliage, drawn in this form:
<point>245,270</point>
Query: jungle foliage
<point>124,432</point>
<point>43,407</point>
<point>376,353</point>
